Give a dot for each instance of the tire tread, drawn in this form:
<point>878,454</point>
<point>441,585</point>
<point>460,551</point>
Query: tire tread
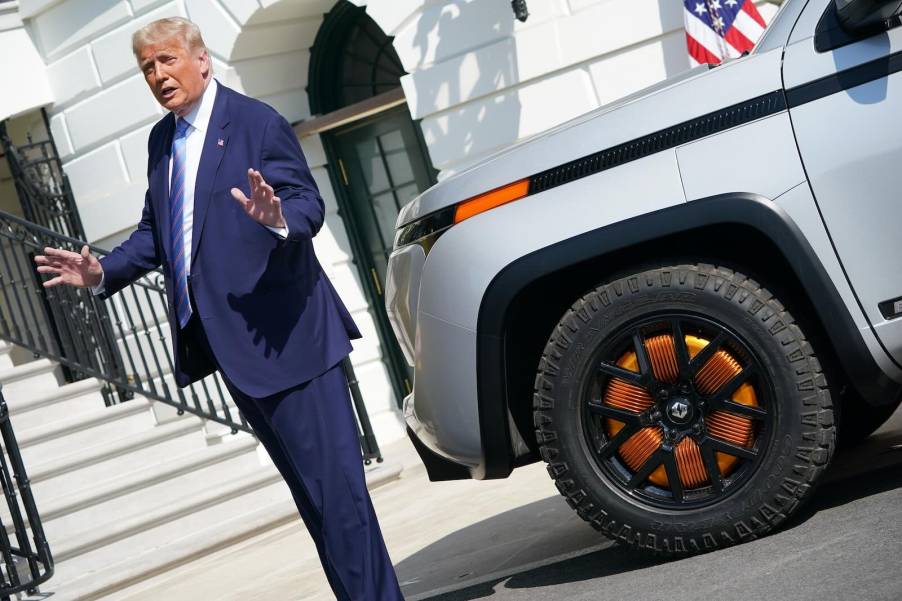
<point>809,459</point>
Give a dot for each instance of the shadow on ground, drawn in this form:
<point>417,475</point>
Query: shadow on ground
<point>549,529</point>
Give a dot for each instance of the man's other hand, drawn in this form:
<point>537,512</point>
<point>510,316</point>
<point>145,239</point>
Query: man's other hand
<point>263,206</point>
<point>82,270</point>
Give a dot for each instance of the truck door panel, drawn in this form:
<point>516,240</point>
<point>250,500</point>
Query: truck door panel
<point>846,110</point>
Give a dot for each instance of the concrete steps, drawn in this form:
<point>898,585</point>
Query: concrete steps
<point>61,437</point>
<point>124,489</point>
<point>29,379</point>
<point>71,400</point>
<point>156,560</point>
<point>191,561</point>
<point>118,580</point>
<point>129,491</point>
<point>94,547</point>
<point>142,491</point>
<point>108,460</point>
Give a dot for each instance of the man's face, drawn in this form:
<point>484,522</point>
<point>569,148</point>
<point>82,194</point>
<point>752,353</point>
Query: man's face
<point>177,76</point>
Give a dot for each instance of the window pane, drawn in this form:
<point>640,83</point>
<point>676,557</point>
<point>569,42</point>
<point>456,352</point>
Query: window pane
<point>400,168</point>
<point>396,156</point>
<point>406,194</point>
<point>371,165</point>
<point>386,214</point>
<point>392,141</point>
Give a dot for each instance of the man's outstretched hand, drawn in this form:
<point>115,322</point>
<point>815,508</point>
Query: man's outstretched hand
<point>263,206</point>
<point>82,270</point>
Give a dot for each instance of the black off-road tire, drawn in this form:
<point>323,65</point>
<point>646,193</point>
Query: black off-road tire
<point>795,455</point>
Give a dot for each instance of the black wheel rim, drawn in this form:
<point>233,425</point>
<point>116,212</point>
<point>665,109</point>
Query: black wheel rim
<point>683,410</point>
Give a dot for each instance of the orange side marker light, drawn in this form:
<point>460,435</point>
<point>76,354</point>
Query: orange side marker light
<point>490,200</point>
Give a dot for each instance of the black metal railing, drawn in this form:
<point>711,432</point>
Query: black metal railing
<point>81,332</point>
<point>46,199</point>
<point>43,188</point>
<point>25,561</point>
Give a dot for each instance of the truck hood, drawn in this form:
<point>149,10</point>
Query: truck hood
<point>686,96</point>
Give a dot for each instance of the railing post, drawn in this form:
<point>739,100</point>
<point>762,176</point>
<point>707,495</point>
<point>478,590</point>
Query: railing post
<point>368,444</point>
<point>25,568</point>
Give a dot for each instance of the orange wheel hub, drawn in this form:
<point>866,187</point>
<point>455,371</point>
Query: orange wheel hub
<point>716,372</point>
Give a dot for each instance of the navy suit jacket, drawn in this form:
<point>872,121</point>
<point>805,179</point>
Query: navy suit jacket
<point>272,318</point>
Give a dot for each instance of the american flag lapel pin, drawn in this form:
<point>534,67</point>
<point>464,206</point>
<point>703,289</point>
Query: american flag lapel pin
<point>220,142</point>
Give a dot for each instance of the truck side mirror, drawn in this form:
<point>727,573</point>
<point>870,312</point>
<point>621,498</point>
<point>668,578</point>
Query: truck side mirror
<point>864,16</point>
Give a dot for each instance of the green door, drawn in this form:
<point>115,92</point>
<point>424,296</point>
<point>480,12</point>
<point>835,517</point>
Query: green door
<point>382,166</point>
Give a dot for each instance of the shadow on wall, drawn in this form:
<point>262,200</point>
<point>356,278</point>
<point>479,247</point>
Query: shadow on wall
<point>652,48</point>
<point>477,126</point>
<point>270,57</point>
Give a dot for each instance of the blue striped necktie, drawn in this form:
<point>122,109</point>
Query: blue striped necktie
<point>177,224</point>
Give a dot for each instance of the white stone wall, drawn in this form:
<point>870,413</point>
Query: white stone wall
<point>21,68</point>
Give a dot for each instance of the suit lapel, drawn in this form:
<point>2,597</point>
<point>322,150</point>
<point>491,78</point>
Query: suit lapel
<point>215,144</point>
<point>159,182</point>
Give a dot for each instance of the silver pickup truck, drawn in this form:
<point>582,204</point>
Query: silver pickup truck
<point>681,302</point>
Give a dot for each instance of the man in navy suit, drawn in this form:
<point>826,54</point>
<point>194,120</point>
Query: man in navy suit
<point>230,214</point>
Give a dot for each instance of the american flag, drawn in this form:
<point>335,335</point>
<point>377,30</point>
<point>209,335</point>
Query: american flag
<point>720,29</point>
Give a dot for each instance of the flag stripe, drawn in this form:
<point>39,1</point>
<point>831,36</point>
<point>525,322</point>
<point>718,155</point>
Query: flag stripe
<point>738,41</point>
<point>751,10</point>
<point>748,27</point>
<point>699,53</point>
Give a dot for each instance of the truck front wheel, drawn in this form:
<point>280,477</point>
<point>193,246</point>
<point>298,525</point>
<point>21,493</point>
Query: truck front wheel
<point>681,409</point>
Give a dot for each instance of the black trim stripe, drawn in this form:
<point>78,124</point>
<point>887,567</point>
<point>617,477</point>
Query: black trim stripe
<point>844,80</point>
<point>665,139</point>
<point>716,122</point>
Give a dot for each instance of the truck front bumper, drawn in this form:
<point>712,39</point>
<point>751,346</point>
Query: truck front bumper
<point>438,467</point>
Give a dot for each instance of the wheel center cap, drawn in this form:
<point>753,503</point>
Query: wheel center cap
<point>679,410</point>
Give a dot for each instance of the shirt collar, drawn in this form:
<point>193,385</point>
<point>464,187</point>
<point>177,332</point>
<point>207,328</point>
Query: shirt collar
<point>199,116</point>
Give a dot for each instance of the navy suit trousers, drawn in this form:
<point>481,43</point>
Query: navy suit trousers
<point>310,433</point>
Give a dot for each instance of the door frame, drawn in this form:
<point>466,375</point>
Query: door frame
<point>394,359</point>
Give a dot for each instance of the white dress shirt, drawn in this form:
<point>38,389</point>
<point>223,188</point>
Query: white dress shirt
<point>199,121</point>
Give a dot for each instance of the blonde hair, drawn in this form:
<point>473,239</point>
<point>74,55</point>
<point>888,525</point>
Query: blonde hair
<point>166,29</point>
